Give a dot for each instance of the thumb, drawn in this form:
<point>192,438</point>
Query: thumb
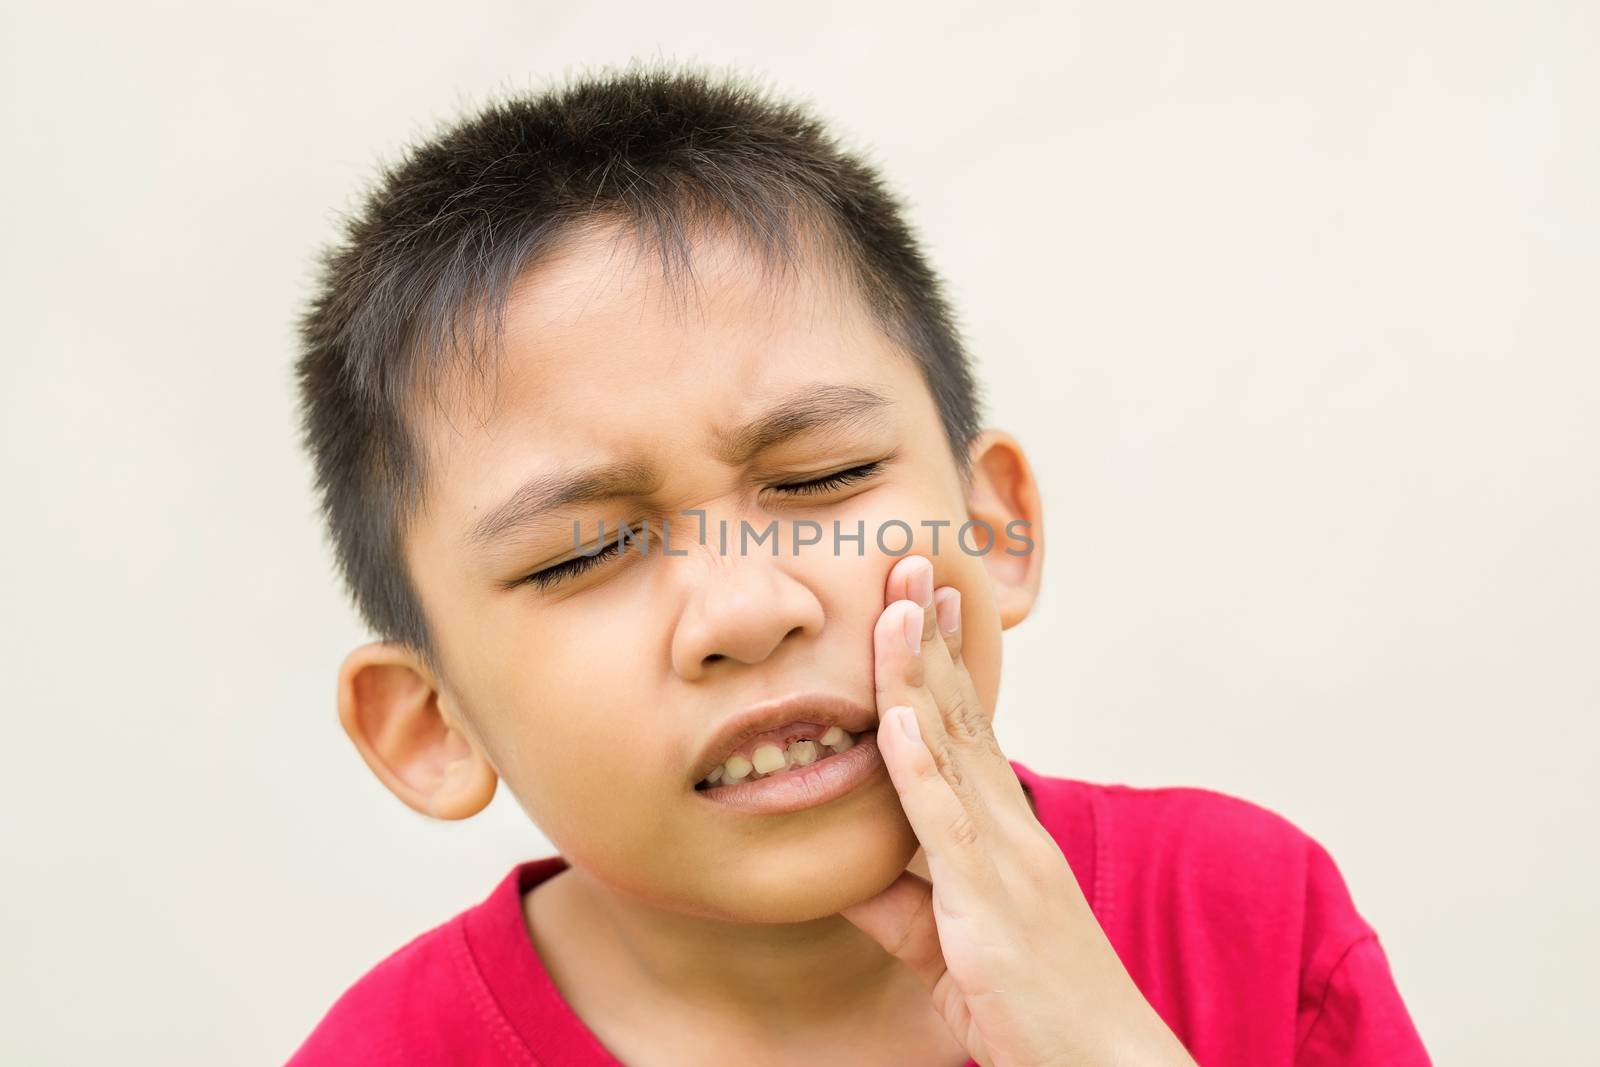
<point>901,920</point>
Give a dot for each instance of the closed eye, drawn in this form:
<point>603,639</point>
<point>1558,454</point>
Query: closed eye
<point>552,576</point>
<point>829,483</point>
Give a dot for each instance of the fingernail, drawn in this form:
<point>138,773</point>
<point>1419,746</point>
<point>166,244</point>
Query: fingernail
<point>921,585</point>
<point>912,625</point>
<point>950,610</point>
<point>908,723</point>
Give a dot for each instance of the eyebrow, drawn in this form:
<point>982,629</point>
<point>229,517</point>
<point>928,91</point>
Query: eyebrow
<point>803,411</point>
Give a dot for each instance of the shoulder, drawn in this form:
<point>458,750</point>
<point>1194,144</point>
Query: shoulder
<point>409,1008</point>
<point>1212,891</point>
<point>1184,828</point>
<point>1229,852</point>
<point>1189,826</point>
<point>1234,923</point>
<point>1179,859</point>
<point>1175,827</point>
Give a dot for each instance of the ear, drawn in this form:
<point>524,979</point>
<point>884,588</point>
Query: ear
<point>1005,496</point>
<point>389,707</point>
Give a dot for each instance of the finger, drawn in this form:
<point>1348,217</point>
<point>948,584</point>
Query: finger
<point>978,768</point>
<point>936,665</point>
<point>971,735</point>
<point>947,610</point>
<point>911,578</point>
<point>899,671</point>
<point>965,718</point>
<point>955,837</point>
<point>901,920</point>
<point>958,732</point>
<point>940,632</point>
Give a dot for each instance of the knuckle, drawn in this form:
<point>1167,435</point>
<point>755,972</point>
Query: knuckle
<point>991,744</point>
<point>963,831</point>
<point>944,759</point>
<point>966,724</point>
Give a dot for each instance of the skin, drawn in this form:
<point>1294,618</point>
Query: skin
<point>997,897</point>
<point>593,700</point>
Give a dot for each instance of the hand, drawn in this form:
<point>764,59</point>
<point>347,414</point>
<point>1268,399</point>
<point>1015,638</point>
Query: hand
<point>1017,965</point>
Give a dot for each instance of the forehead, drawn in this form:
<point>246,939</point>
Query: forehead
<point>603,359</point>
<point>600,319</point>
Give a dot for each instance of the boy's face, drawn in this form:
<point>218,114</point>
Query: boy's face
<point>593,699</point>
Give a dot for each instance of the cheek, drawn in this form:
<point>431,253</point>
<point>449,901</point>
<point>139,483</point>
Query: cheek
<point>572,743</point>
<point>859,596</point>
<point>602,798</point>
<point>868,579</point>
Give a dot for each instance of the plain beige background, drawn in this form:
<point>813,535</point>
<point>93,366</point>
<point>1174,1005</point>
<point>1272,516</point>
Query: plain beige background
<point>1293,305</point>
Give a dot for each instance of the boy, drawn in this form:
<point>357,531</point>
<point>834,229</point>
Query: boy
<point>667,306</point>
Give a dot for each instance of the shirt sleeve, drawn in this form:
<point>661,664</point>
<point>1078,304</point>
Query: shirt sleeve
<point>1352,1014</point>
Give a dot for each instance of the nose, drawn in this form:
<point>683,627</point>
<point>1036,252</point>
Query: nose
<point>742,608</point>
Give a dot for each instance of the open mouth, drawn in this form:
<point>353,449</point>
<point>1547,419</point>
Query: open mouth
<point>771,760</point>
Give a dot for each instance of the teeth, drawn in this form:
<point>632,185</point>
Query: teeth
<point>802,753</point>
<point>770,759</point>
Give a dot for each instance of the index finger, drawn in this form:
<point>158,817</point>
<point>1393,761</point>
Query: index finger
<point>935,681</point>
<point>951,834</point>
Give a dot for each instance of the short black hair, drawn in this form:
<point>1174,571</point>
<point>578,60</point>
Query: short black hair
<point>662,152</point>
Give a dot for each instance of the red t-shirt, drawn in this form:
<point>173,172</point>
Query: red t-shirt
<point>1235,925</point>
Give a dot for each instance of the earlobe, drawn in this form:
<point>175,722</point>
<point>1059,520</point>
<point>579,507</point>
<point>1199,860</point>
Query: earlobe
<point>389,708</point>
<point>1005,496</point>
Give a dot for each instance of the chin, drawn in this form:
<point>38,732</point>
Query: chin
<point>808,877</point>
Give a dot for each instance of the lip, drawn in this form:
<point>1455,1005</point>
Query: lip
<point>825,709</point>
<point>804,787</point>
